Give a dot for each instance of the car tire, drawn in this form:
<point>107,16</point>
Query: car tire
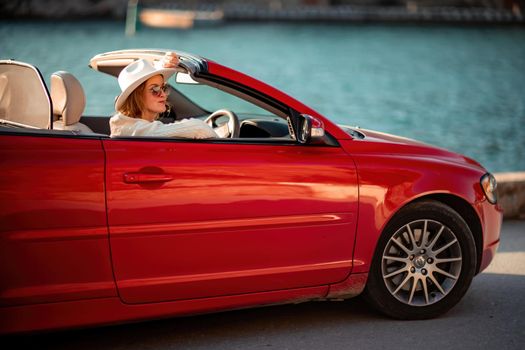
<point>423,264</point>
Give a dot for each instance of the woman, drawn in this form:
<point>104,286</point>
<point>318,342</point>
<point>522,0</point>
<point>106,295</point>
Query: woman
<point>143,98</point>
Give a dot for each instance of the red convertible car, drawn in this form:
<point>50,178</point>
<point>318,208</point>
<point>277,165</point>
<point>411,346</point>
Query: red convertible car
<point>289,208</point>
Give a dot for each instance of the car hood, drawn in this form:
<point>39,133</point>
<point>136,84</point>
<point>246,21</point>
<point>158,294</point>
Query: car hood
<point>393,144</point>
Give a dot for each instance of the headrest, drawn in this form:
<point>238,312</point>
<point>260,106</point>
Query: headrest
<point>68,97</point>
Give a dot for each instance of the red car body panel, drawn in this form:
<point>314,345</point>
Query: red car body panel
<point>226,221</point>
<point>91,312</point>
<point>491,222</point>
<point>96,230</point>
<point>390,178</point>
<point>54,237</point>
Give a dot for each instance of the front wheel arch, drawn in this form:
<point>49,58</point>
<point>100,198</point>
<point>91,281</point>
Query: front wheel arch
<point>465,210</point>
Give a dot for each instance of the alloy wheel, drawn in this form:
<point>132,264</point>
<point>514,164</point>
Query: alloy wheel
<point>421,262</point>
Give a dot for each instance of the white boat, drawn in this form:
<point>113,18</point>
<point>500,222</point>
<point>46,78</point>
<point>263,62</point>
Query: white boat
<point>163,18</point>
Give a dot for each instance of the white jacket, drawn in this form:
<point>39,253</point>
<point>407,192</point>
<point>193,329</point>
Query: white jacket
<point>122,125</point>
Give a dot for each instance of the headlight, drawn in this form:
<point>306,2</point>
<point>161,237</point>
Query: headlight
<point>489,185</point>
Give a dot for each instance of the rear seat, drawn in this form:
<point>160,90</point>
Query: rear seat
<point>69,102</point>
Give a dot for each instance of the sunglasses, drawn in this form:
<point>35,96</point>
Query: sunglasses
<point>157,90</point>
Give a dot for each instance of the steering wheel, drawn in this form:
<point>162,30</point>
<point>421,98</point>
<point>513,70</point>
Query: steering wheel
<point>229,129</point>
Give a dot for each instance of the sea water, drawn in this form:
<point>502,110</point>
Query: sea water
<point>462,88</point>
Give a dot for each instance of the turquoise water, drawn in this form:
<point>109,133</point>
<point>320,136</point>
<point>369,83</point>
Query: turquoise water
<point>462,88</point>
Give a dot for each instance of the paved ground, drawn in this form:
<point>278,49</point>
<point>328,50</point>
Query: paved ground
<point>491,316</point>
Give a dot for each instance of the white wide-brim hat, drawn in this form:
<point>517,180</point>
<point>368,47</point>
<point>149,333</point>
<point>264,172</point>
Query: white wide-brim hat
<point>135,74</point>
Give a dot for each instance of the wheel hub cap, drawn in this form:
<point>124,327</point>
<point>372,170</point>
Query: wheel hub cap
<point>419,262</point>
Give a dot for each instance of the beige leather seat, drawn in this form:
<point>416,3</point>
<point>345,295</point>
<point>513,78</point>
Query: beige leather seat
<point>69,101</point>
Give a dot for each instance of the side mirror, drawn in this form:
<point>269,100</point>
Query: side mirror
<point>310,129</point>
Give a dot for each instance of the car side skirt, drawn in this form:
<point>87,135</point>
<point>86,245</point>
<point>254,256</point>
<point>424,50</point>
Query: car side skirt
<point>105,311</point>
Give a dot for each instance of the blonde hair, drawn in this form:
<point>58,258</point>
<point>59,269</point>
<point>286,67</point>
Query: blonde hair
<point>134,104</point>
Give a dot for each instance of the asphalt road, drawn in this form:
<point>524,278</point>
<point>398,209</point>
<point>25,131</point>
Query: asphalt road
<point>490,316</point>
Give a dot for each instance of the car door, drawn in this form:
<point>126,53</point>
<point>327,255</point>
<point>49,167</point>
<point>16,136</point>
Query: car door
<point>194,219</point>
<point>53,231</point>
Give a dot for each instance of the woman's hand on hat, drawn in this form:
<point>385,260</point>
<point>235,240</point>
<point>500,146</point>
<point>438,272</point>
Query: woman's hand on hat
<point>170,60</point>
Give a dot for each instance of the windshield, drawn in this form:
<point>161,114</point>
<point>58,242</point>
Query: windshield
<point>212,99</point>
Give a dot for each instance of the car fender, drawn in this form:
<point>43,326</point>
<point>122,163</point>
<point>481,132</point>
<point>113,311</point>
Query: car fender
<point>389,181</point>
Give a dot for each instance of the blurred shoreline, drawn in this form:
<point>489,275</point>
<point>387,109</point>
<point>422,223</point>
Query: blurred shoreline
<point>358,11</point>
<point>511,194</point>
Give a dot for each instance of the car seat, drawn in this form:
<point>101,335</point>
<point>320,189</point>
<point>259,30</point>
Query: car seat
<point>69,101</point>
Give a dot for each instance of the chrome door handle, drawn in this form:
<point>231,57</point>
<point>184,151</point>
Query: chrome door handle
<point>135,178</point>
